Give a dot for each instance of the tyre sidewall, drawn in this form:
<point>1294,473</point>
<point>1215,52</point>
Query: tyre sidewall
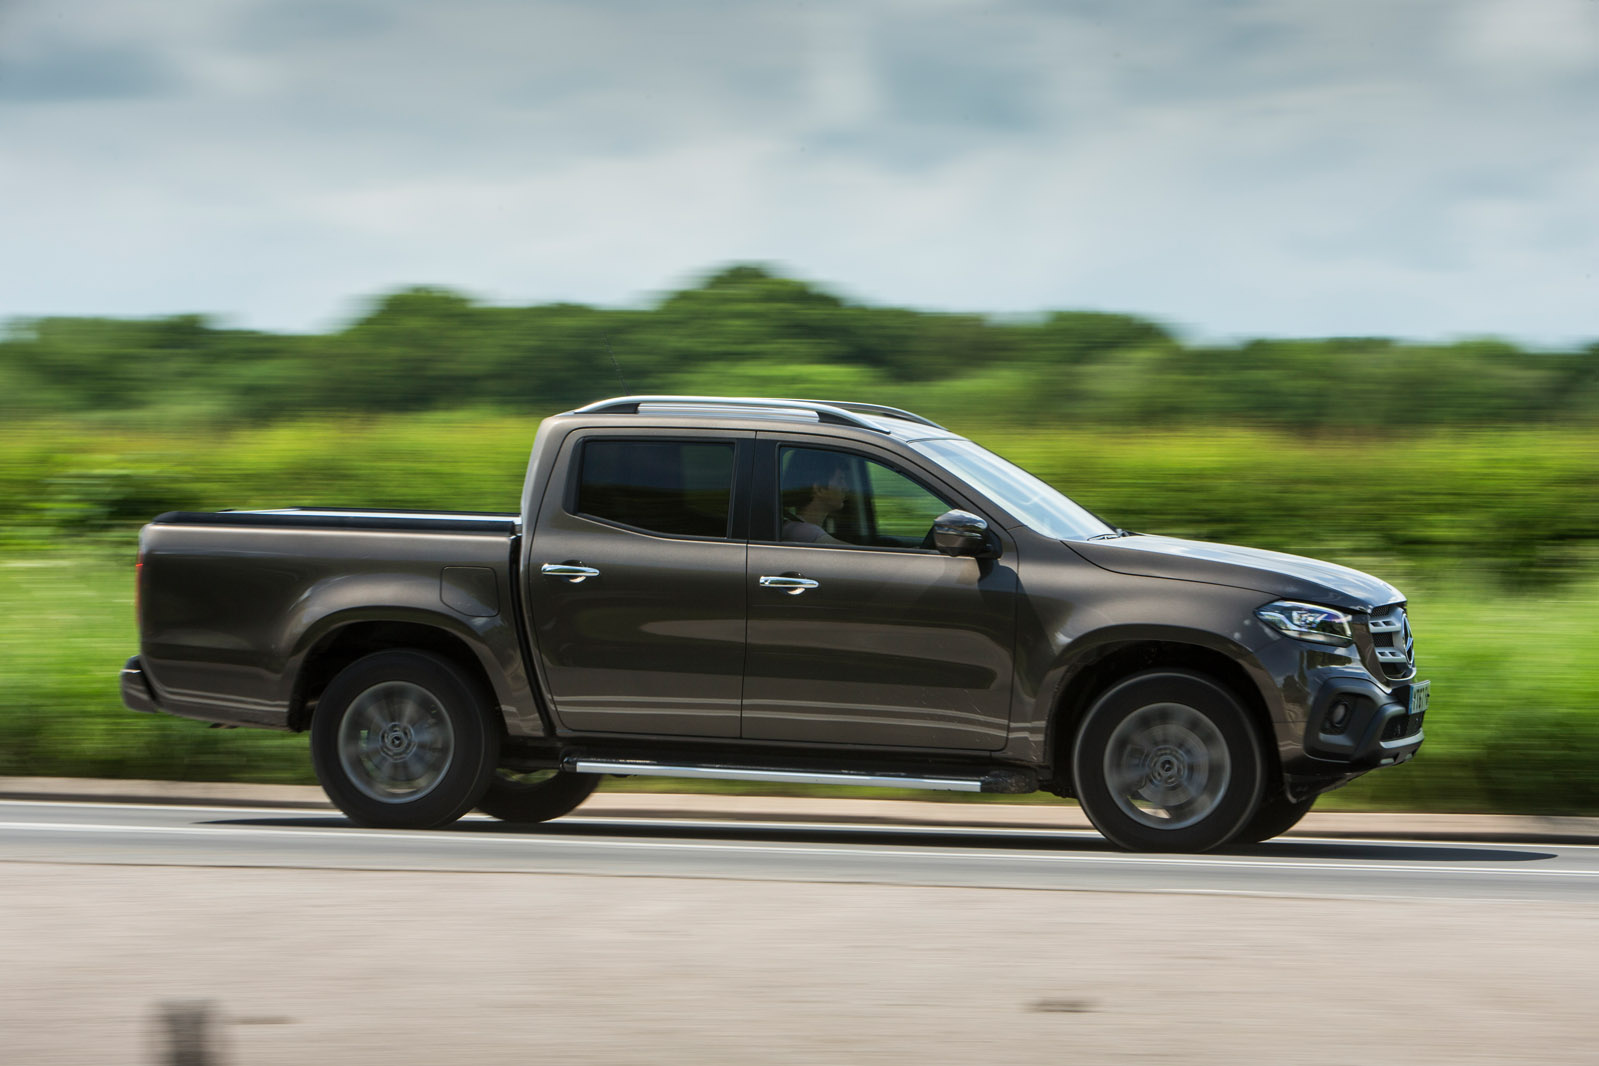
<point>476,741</point>
<point>1276,815</point>
<point>511,801</point>
<point>1216,702</point>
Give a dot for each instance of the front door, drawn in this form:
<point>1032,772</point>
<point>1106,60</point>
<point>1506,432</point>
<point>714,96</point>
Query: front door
<point>636,584</point>
<point>860,632</point>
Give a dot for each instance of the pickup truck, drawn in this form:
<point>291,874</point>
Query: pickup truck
<point>784,591</point>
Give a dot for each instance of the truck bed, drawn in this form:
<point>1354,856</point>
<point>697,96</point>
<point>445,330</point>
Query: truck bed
<point>233,601</point>
<point>352,518</point>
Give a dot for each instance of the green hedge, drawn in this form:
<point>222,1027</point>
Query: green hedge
<point>1515,504</point>
<point>1493,533</point>
<point>1512,728</point>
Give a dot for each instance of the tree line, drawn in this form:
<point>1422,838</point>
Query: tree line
<point>746,329</point>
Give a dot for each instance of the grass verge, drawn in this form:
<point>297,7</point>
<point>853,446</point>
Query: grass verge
<point>1513,727</point>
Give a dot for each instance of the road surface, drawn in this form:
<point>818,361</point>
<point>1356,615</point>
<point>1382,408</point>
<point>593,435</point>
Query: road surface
<point>954,856</point>
<point>621,940</point>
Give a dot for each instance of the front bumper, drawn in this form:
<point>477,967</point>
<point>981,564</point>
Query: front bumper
<point>136,694</point>
<point>1357,724</point>
<point>1337,720</point>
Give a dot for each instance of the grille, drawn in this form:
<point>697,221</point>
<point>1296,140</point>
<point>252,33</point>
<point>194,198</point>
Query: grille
<point>1404,726</point>
<point>1393,642</point>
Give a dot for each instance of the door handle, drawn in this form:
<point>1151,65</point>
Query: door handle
<point>788,583</point>
<point>573,572</point>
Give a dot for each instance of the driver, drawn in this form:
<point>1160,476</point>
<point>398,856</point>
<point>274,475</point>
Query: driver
<point>815,486</point>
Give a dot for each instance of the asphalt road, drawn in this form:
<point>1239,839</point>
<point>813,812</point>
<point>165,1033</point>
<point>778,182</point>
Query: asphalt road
<point>954,856</point>
<point>606,939</point>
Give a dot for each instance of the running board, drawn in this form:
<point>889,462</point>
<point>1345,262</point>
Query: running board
<point>1004,780</point>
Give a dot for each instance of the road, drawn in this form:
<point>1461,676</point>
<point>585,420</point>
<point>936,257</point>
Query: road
<point>602,939</point>
<point>954,856</point>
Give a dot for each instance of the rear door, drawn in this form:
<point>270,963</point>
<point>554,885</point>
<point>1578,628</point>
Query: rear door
<point>636,583</point>
<point>860,632</point>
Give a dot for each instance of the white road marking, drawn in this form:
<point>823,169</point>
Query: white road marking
<point>1064,833</point>
<point>955,825</point>
<point>1192,861</point>
<point>113,805</point>
<point>519,871</point>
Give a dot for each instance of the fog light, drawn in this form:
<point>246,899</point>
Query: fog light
<point>1337,717</point>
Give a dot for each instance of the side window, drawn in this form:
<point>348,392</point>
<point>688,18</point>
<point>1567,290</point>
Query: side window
<point>830,497</point>
<point>680,488</point>
<point>903,509</point>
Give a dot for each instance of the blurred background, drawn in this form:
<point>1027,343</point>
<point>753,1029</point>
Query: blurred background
<point>1314,278</point>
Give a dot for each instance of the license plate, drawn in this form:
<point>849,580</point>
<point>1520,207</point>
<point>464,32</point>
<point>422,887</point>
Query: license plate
<point>1420,693</point>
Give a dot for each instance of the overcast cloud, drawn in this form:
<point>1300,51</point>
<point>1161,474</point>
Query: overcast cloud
<point>1423,169</point>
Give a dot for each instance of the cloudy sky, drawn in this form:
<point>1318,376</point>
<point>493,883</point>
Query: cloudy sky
<point>1234,167</point>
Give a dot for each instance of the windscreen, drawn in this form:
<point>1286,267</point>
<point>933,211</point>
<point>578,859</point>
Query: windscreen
<point>1040,507</point>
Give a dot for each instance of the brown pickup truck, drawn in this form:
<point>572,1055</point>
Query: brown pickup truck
<point>785,591</point>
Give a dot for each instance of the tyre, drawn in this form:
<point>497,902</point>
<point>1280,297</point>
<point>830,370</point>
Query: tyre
<point>1168,760</point>
<point>536,797</point>
<point>1277,814</point>
<point>403,739</point>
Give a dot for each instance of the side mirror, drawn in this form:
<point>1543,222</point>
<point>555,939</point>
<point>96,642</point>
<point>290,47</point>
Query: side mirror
<point>961,533</point>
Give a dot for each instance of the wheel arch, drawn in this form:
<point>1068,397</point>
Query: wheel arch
<point>1108,662</point>
<point>346,641</point>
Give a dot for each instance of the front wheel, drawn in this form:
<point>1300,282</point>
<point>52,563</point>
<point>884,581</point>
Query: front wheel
<point>1168,760</point>
<point>1277,815</point>
<point>536,797</point>
<point>402,740</point>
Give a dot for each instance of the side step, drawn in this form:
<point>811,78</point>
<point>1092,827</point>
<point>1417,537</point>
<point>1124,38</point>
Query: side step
<point>1008,779</point>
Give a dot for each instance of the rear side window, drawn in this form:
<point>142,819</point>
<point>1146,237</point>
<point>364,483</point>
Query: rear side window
<point>680,488</point>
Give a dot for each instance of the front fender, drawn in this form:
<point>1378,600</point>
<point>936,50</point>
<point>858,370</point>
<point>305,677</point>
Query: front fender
<point>1059,705</point>
<point>1096,644</point>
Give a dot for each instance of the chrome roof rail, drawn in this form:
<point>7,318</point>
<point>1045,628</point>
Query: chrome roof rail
<point>845,413</point>
<point>876,409</point>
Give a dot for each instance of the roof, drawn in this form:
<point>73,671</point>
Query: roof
<point>876,417</point>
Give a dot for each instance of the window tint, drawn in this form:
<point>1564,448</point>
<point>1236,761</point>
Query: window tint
<point>833,497</point>
<point>681,488</point>
<point>903,509</point>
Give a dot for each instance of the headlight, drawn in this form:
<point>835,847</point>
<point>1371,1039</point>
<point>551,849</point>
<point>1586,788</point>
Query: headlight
<point>1307,622</point>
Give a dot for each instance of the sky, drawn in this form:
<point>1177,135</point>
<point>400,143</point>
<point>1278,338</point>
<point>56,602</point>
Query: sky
<point>1232,168</point>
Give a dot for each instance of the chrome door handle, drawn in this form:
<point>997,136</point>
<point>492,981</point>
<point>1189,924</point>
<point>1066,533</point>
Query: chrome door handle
<point>572,572</point>
<point>791,585</point>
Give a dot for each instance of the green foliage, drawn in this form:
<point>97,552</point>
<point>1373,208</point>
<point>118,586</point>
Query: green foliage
<point>1464,472</point>
<point>1511,727</point>
<point>1514,504</point>
<point>66,626</point>
<point>429,348</point>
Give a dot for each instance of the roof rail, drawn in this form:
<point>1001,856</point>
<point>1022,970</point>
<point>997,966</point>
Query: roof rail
<point>845,413</point>
<point>876,409</point>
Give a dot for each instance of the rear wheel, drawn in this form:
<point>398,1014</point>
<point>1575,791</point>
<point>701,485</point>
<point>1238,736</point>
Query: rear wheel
<point>1277,815</point>
<point>1168,761</point>
<point>402,739</point>
<point>537,796</point>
